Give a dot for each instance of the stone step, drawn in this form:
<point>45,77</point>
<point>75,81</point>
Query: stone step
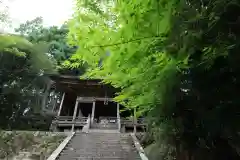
<point>102,143</point>
<point>95,158</point>
<point>100,146</point>
<point>97,149</point>
<point>96,155</point>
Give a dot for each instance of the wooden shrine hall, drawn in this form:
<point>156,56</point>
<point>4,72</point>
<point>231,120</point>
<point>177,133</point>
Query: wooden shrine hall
<point>88,104</point>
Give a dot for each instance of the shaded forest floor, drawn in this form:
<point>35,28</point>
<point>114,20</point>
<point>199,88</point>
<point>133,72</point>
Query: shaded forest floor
<point>28,145</point>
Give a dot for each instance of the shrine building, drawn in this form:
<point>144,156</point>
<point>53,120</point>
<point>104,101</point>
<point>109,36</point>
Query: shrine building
<point>88,104</point>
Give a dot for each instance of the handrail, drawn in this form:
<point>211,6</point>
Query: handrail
<point>139,147</point>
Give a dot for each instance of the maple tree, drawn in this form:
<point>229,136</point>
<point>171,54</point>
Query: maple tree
<point>175,60</point>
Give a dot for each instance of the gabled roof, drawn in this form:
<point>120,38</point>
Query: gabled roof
<point>66,79</point>
<point>75,84</point>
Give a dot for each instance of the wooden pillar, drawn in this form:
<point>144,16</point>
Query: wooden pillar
<point>134,120</point>
<point>74,115</point>
<point>61,104</point>
<point>93,111</point>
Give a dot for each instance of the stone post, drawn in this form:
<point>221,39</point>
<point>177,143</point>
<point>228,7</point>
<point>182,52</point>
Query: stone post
<point>118,117</point>
<point>93,111</point>
<point>134,120</point>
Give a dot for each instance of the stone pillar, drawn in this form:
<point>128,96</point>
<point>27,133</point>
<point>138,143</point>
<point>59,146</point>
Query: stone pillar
<point>93,111</point>
<point>118,114</point>
<point>134,120</point>
<point>61,104</point>
<point>118,118</point>
<point>74,115</point>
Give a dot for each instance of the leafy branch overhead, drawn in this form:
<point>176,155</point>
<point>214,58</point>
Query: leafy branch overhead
<point>182,79</point>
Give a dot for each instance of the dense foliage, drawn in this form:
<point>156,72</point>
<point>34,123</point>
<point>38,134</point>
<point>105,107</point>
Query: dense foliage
<point>56,39</point>
<point>175,60</point>
<point>22,66</point>
<point>27,59</point>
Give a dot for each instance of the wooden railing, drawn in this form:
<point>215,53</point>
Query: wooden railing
<point>127,121</point>
<point>131,122</point>
<point>81,119</point>
<point>63,118</point>
<point>109,119</point>
<point>141,121</point>
<point>68,120</point>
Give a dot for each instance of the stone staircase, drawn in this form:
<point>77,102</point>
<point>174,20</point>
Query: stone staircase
<point>100,146</point>
<point>108,126</point>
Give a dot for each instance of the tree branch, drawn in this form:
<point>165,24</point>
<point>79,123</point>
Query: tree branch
<point>125,42</point>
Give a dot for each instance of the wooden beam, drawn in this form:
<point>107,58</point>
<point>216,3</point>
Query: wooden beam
<point>74,115</point>
<point>92,99</point>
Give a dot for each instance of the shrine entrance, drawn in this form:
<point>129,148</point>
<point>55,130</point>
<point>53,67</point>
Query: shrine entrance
<point>84,109</point>
<point>103,109</point>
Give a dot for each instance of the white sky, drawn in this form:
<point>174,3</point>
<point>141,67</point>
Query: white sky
<point>54,12</point>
